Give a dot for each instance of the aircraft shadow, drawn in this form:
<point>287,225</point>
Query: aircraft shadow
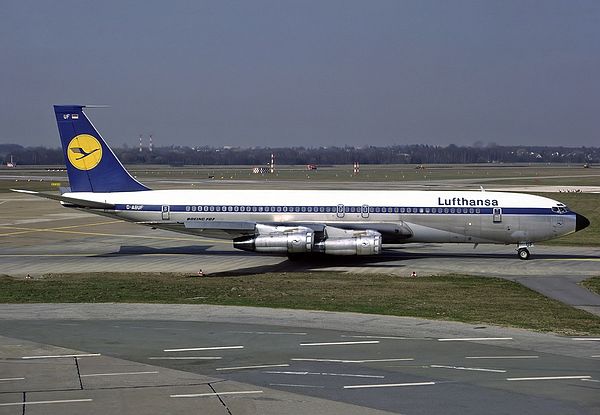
<point>305,263</point>
<point>125,250</point>
<point>316,263</point>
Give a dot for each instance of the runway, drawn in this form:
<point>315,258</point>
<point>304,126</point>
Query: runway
<point>99,358</point>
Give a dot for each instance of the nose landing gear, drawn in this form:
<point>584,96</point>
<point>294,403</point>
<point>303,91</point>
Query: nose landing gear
<point>523,251</point>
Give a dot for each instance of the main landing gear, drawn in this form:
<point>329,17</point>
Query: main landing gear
<point>523,251</point>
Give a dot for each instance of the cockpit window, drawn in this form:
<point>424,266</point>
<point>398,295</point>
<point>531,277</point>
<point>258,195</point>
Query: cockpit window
<point>560,209</point>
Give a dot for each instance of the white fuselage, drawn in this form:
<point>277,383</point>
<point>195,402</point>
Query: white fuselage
<point>400,216</point>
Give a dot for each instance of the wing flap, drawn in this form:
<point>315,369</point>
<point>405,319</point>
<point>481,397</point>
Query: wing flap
<point>220,225</point>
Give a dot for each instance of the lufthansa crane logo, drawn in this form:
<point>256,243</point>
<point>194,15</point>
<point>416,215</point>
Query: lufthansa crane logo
<point>84,152</point>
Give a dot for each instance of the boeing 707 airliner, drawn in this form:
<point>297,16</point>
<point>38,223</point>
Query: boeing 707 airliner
<point>332,222</point>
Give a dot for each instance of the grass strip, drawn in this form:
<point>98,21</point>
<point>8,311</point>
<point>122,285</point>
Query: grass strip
<point>467,299</point>
<point>592,284</point>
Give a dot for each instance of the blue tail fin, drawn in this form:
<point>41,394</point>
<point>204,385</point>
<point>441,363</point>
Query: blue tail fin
<point>91,164</point>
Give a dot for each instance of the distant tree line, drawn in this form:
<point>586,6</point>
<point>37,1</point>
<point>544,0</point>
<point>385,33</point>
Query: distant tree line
<point>259,156</point>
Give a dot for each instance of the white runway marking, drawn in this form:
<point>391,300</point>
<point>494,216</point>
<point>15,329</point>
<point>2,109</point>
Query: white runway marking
<point>475,369</point>
<point>351,375</point>
<point>502,357</point>
<point>377,337</point>
<point>340,343</point>
<point>58,356</point>
<point>10,379</point>
<point>119,374</point>
<point>200,395</point>
<point>45,402</point>
<point>252,367</point>
<point>271,333</point>
<point>300,359</point>
<point>293,385</point>
<point>185,358</point>
<point>389,385</point>
<point>586,339</point>
<point>590,380</point>
<point>551,378</point>
<point>596,355</point>
<point>471,339</point>
<point>196,349</point>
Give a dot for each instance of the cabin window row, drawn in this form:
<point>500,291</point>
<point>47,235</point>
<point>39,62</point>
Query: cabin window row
<point>330,209</point>
<point>298,209</point>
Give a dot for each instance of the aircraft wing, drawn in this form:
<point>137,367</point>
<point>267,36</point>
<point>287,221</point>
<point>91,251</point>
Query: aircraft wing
<point>68,200</point>
<point>391,232</point>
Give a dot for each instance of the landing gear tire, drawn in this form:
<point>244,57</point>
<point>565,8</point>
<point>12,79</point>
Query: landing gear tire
<point>523,253</point>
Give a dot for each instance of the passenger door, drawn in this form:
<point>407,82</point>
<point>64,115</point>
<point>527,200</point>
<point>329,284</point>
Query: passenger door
<point>166,212</point>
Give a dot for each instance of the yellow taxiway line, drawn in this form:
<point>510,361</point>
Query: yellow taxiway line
<point>63,229</point>
<point>23,230</point>
<point>570,259</point>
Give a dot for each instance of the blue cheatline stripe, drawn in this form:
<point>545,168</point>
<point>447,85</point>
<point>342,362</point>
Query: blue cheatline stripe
<point>333,209</point>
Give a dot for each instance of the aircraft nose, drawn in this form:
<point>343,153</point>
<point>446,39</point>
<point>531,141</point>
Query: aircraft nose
<point>581,222</point>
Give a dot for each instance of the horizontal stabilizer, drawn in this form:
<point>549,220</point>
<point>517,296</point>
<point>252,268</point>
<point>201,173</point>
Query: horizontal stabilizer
<point>68,200</point>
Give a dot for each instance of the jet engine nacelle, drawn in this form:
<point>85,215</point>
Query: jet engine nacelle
<point>369,244</point>
<point>278,242</point>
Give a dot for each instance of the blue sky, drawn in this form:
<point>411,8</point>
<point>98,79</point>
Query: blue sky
<point>312,73</point>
